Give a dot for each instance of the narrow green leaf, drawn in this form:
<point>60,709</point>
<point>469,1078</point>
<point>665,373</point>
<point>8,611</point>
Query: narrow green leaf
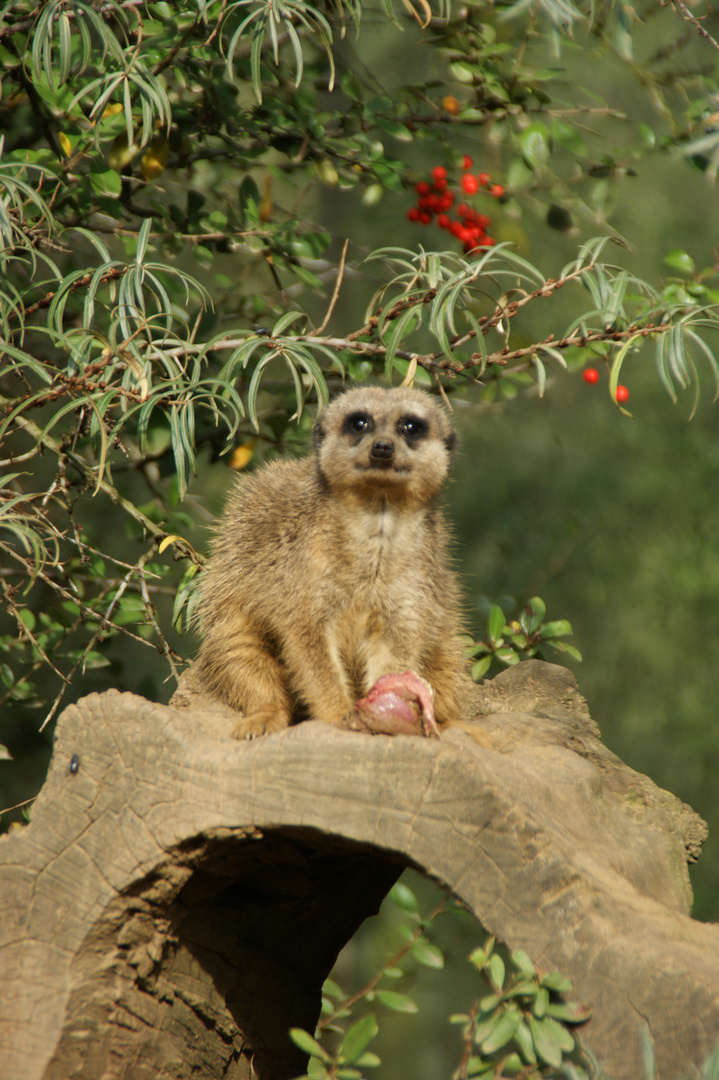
<point>333,990</point>
<point>525,1042</point>
<point>254,387</point>
<point>680,260</point>
<point>537,611</point>
<point>481,667</point>
<point>427,954</point>
<point>554,980</point>
<point>369,1060</point>
<point>546,1046</point>
<point>397,1002</point>
<point>558,628</point>
<point>617,364</point>
<point>565,647</point>
<point>403,897</point>
<point>399,329</point>
<point>142,239</point>
<point>357,1039</point>
<point>255,60</point>
<point>523,963</point>
<point>310,1046</point>
<point>541,1002</point>
<point>496,623</point>
<point>497,970</point>
<point>181,449</point>
<point>503,1032</point>
<point>286,320</point>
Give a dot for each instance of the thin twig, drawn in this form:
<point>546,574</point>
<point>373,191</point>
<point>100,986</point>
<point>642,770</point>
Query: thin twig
<point>686,14</point>
<point>417,933</point>
<point>151,611</point>
<point>24,630</point>
<point>338,284</point>
<point>17,806</point>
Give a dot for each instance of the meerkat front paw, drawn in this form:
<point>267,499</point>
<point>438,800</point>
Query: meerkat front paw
<point>260,723</point>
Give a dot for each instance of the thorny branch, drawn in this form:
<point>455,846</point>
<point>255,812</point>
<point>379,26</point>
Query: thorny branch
<point>687,15</point>
<point>364,341</point>
<point>437,361</point>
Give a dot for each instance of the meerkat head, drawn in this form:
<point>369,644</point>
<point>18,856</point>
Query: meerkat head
<point>394,443</point>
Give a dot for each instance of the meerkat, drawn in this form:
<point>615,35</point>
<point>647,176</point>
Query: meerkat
<point>330,572</point>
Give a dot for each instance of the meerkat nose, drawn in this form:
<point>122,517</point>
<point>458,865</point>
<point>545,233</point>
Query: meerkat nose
<point>383,449</point>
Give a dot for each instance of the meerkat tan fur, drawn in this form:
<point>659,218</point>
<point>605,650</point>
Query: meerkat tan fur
<point>331,571</point>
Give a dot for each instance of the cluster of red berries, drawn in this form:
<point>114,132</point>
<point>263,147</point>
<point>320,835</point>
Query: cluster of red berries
<point>436,201</point>
<point>591,376</point>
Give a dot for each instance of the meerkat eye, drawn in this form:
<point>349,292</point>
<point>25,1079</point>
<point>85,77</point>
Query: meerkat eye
<point>358,423</point>
<point>412,427</point>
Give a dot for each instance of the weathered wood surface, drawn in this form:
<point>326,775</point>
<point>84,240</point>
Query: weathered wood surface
<point>179,897</point>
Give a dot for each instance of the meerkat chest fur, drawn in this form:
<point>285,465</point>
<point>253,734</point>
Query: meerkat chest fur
<point>384,601</point>
<point>384,541</point>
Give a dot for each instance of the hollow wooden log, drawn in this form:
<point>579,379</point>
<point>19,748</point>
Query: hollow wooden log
<point>179,897</point>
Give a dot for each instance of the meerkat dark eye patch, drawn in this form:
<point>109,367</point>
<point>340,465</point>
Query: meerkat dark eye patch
<point>358,423</point>
<point>412,427</point>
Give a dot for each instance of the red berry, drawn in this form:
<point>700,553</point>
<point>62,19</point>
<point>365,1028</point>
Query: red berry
<point>489,241</point>
<point>497,190</point>
<point>447,200</point>
<point>467,162</point>
<point>422,188</point>
<point>622,394</point>
<point>456,228</point>
<point>413,213</point>
<point>439,173</point>
<point>440,185</point>
<point>443,221</point>
<point>425,218</point>
<point>463,210</point>
<point>590,375</point>
<point>484,179</point>
<point>483,221</point>
<point>470,184</point>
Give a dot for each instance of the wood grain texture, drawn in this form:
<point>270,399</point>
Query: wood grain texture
<point>176,903</point>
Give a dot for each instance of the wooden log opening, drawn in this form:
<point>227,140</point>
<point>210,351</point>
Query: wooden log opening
<point>178,898</point>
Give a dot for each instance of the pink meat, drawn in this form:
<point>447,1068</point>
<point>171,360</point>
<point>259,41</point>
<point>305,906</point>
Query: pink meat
<point>399,703</point>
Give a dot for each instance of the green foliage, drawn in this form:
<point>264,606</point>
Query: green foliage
<point>519,1023</point>
<point>522,1025</point>
<point>521,639</point>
